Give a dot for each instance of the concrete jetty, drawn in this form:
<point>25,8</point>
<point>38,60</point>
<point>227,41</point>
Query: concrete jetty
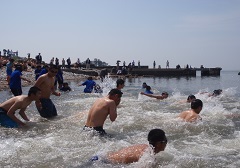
<point>148,72</point>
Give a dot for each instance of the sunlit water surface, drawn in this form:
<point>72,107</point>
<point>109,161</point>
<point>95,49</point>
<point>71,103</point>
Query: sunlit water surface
<point>61,142</point>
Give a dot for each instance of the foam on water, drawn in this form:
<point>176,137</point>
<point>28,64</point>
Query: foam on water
<point>61,142</point>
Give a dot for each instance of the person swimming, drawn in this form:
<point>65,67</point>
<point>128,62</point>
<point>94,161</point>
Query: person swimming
<point>157,141</point>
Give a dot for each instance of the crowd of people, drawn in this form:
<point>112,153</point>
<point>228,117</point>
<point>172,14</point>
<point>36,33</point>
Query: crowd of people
<point>47,78</point>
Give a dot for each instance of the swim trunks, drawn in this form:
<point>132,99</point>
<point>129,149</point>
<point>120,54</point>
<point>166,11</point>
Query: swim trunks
<point>48,108</point>
<point>5,120</point>
<point>99,129</point>
<point>99,158</point>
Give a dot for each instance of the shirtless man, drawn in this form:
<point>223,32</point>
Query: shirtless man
<point>160,97</point>
<point>8,108</point>
<point>157,142</point>
<point>193,114</point>
<point>101,109</point>
<point>45,82</point>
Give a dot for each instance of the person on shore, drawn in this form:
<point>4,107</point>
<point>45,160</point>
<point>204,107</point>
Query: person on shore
<point>120,84</point>
<point>9,67</point>
<point>148,90</point>
<point>89,83</point>
<point>9,107</point>
<point>157,141</point>
<point>192,114</point>
<point>45,82</point>
<point>101,108</point>
<point>164,95</point>
<point>15,81</point>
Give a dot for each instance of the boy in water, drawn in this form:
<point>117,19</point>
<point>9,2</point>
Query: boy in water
<point>160,97</point>
<point>89,85</point>
<point>120,84</point>
<point>45,82</point>
<point>101,109</point>
<point>8,108</point>
<point>193,114</point>
<point>157,141</point>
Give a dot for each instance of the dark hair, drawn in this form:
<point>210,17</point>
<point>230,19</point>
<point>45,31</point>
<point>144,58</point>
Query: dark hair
<point>156,135</point>
<point>33,90</point>
<point>115,91</point>
<point>120,82</point>
<point>164,93</point>
<point>196,103</point>
<point>217,92</point>
<point>90,78</point>
<point>148,87</point>
<point>53,67</point>
<point>191,97</point>
<point>18,67</point>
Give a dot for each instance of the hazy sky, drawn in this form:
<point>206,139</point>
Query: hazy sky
<point>194,32</point>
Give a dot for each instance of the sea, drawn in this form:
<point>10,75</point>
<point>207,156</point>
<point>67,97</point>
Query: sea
<point>62,143</point>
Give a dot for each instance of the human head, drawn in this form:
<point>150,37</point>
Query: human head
<point>120,83</point>
<point>115,95</point>
<point>191,98</point>
<point>158,139</point>
<point>148,87</point>
<point>65,84</point>
<point>11,60</point>
<point>197,105</point>
<point>144,85</point>
<point>53,70</point>
<point>89,78</point>
<point>217,92</point>
<point>165,95</point>
<point>35,92</point>
<point>19,68</point>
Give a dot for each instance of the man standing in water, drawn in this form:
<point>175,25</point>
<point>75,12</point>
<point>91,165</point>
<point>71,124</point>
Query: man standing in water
<point>101,109</point>
<point>157,141</point>
<point>193,114</point>
<point>45,82</point>
<point>9,107</point>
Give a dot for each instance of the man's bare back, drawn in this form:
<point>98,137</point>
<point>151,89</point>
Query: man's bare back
<point>101,109</point>
<point>192,114</point>
<point>99,112</point>
<point>128,155</point>
<point>189,116</point>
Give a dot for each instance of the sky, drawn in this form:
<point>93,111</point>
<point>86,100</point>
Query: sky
<point>193,32</point>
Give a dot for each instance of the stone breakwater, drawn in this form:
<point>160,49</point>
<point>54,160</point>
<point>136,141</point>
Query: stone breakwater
<point>29,74</point>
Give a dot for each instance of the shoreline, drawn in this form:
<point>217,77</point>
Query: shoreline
<point>29,74</point>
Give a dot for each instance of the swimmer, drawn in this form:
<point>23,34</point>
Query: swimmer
<point>157,141</point>
<point>144,85</point>
<point>160,97</point>
<point>101,109</point>
<point>148,90</point>
<point>214,93</point>
<point>193,114</point>
<point>9,107</point>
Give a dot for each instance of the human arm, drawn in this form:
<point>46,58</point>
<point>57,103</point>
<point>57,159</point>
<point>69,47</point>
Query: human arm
<point>11,113</point>
<point>153,96</point>
<point>23,115</point>
<point>54,92</point>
